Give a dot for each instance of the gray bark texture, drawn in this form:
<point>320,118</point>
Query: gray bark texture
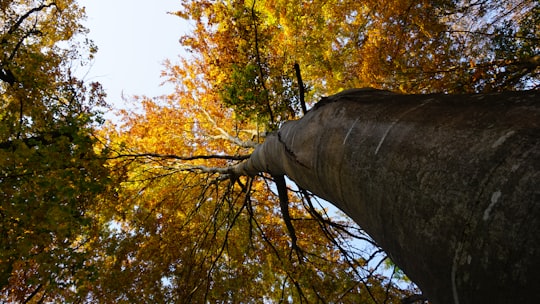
<point>447,185</point>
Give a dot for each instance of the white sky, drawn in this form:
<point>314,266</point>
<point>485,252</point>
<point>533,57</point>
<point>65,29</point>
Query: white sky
<point>133,37</point>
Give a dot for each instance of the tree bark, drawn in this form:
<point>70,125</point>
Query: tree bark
<point>447,185</point>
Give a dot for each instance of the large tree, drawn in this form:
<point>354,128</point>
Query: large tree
<point>446,184</point>
<point>51,176</point>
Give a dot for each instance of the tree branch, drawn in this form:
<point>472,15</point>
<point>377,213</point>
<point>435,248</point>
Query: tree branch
<point>33,294</point>
<point>490,34</point>
<point>5,73</point>
<point>7,76</point>
<point>178,157</point>
<point>414,298</point>
<point>281,186</point>
<point>224,135</point>
<point>26,15</point>
<point>300,88</point>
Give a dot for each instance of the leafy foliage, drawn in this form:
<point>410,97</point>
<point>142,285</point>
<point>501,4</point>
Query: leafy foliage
<point>51,176</point>
<point>408,46</point>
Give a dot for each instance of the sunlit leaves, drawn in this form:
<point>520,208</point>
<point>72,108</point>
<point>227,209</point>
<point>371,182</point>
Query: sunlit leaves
<point>407,46</point>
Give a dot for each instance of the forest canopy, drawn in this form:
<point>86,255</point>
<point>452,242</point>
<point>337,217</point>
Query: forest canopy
<point>141,209</point>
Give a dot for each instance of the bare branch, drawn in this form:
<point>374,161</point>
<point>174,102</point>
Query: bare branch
<point>301,92</point>
<point>33,294</point>
<point>226,136</point>
<point>479,33</point>
<point>281,186</point>
<point>179,157</point>
<point>227,172</point>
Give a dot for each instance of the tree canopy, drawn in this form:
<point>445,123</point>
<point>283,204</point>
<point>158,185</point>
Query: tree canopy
<point>144,210</point>
<point>52,175</point>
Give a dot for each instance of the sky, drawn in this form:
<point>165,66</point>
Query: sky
<point>133,37</point>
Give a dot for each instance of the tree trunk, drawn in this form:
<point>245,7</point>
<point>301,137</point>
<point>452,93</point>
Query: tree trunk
<point>447,185</point>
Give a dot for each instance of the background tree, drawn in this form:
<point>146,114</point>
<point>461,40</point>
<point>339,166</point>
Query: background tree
<point>51,176</point>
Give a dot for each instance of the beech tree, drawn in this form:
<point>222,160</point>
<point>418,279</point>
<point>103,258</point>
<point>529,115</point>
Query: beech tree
<point>446,184</point>
<point>186,198</point>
